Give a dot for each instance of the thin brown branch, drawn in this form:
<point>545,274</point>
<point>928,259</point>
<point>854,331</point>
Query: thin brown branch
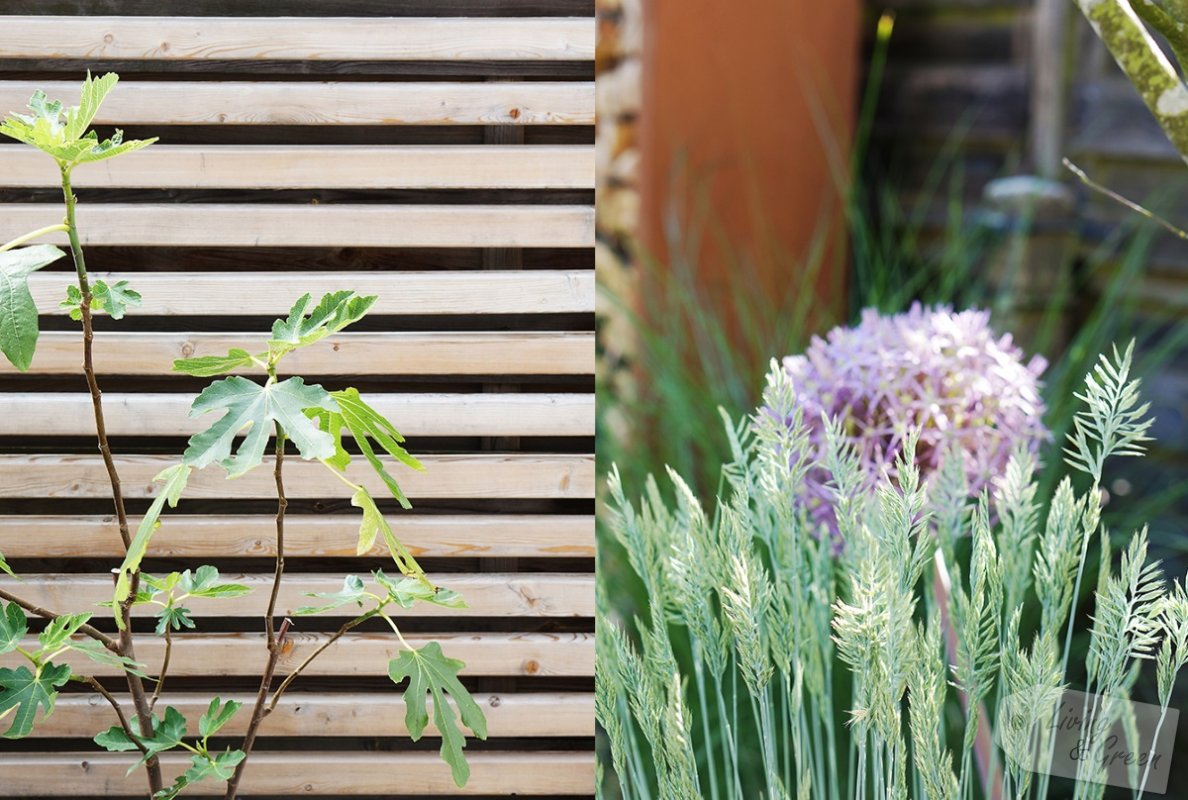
<point>45,613</point>
<point>1117,198</point>
<point>164,668</point>
<point>126,646</point>
<point>115,705</point>
<point>259,711</point>
<point>276,638</point>
<point>282,504</point>
<point>292,676</point>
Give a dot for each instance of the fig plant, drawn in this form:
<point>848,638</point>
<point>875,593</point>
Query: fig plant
<point>287,413</point>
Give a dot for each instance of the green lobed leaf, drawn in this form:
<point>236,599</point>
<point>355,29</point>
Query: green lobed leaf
<point>203,582</point>
<point>352,591</point>
<point>175,479</point>
<point>209,366</point>
<point>176,617</point>
<point>168,733</point>
<point>220,767</point>
<point>308,323</point>
<point>372,525</point>
<point>217,715</point>
<point>366,425</point>
<point>94,90</point>
<point>115,299</point>
<point>115,740</point>
<point>407,592</point>
<point>22,692</point>
<point>430,672</point>
<point>18,311</point>
<point>63,135</point>
<point>101,655</point>
<point>58,632</point>
<point>6,569</point>
<point>14,625</point>
<point>249,405</point>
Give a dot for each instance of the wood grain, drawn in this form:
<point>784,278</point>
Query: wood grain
<point>157,103</point>
<point>288,39</point>
<point>213,655</point>
<point>463,476</point>
<point>518,353</point>
<point>346,714</point>
<point>328,535</point>
<point>488,594</point>
<point>316,167</point>
<point>158,414</point>
<point>293,225</point>
<point>307,774</point>
<point>250,293</point>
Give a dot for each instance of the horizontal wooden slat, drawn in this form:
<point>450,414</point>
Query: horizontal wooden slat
<point>309,774</point>
<point>252,225</point>
<point>518,353</point>
<point>333,535</point>
<point>292,39</point>
<point>466,476</point>
<point>487,594</point>
<point>355,654</point>
<point>254,293</point>
<point>343,714</point>
<point>159,103</point>
<point>155,414</point>
<point>317,167</point>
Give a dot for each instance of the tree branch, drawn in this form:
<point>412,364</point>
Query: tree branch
<point>282,504</point>
<point>1140,58</point>
<point>164,668</point>
<point>126,645</point>
<point>292,676</point>
<point>259,711</point>
<point>115,704</point>
<point>276,639</point>
<point>98,635</point>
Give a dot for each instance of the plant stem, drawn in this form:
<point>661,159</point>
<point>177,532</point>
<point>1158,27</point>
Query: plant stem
<point>282,505</point>
<point>292,676</point>
<point>164,668</point>
<point>1154,743</point>
<point>45,613</point>
<point>259,711</point>
<point>37,234</point>
<point>275,638</point>
<point>126,647</point>
<point>115,705</point>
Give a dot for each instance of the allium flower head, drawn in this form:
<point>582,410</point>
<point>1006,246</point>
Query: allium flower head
<point>945,374</point>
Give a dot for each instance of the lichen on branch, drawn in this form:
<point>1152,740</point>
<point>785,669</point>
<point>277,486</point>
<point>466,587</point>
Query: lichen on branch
<point>1123,32</point>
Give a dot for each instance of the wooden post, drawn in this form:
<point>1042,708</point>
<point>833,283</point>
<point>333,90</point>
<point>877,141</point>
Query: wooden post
<point>745,133</point>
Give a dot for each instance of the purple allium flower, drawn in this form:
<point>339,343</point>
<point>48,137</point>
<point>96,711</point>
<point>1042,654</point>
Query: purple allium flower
<point>946,374</point>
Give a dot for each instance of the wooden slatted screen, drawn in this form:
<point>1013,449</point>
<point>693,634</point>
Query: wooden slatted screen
<point>438,154</point>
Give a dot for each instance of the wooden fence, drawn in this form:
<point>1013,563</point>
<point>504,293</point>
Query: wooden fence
<point>437,154</point>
